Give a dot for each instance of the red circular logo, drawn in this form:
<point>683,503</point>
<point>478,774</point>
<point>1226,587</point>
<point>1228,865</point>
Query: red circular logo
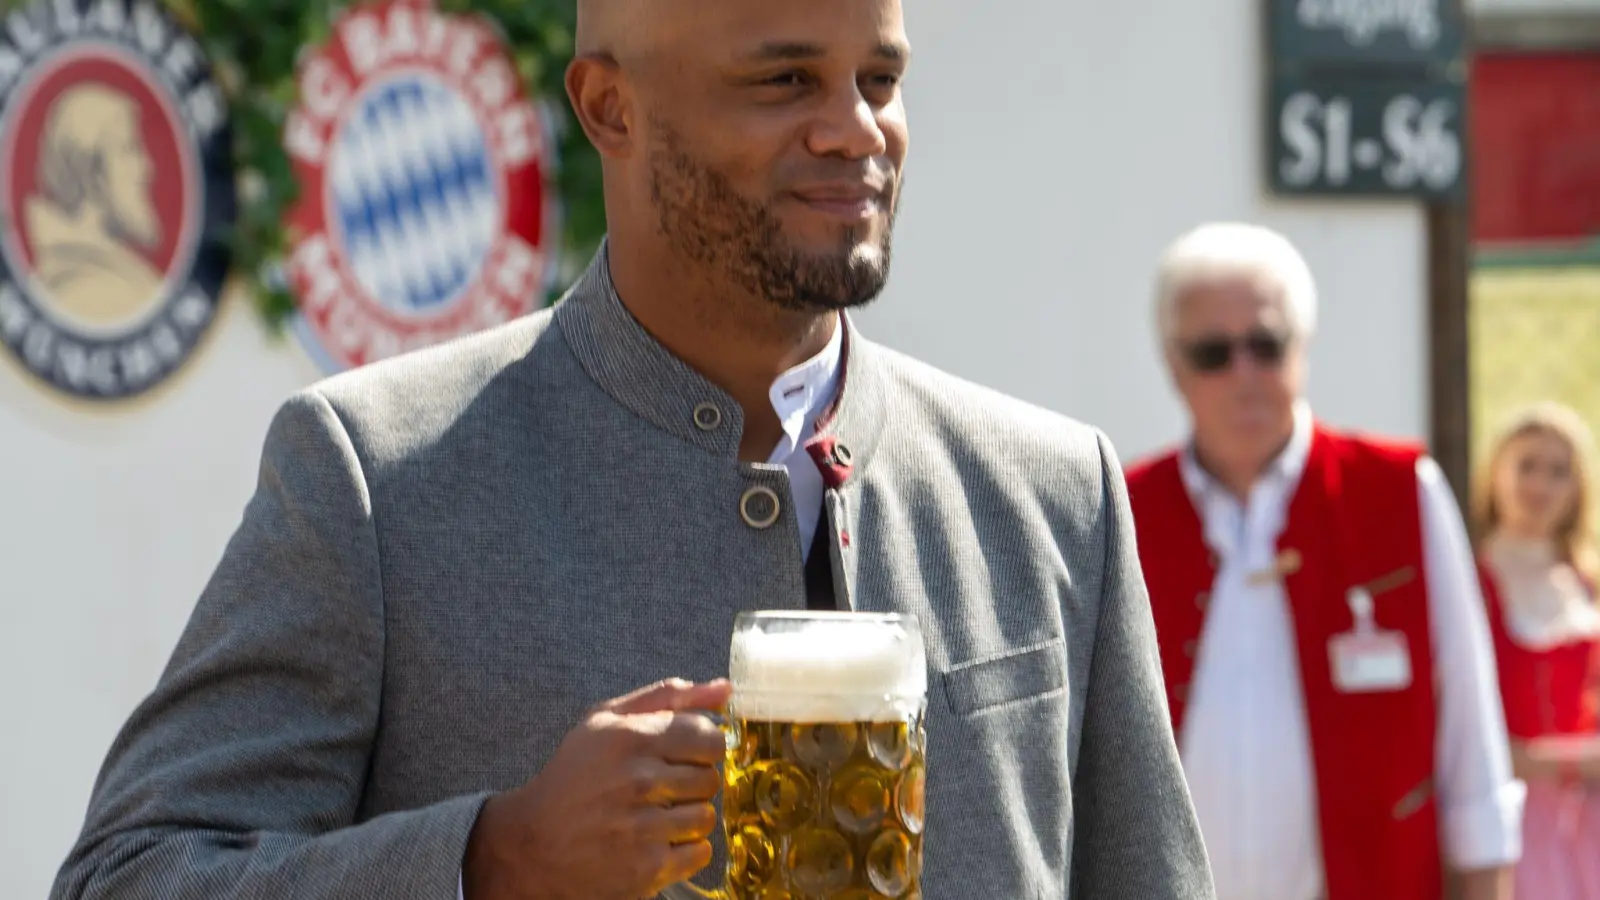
<point>117,187</point>
<point>425,210</point>
<point>101,189</point>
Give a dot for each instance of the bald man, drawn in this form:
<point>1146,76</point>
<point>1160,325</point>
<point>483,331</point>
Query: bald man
<point>396,684</point>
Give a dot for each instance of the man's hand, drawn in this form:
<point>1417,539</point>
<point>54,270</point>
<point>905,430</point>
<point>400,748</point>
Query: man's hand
<point>622,809</point>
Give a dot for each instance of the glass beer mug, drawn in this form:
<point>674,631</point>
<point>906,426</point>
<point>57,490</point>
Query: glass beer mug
<point>823,782</point>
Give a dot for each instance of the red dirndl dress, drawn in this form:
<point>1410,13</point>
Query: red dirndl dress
<point>1552,692</point>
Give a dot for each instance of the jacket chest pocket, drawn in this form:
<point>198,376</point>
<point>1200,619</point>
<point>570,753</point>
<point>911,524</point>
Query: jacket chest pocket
<point>1014,677</point>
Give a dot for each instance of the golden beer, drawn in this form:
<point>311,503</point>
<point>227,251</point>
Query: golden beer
<point>823,783</point>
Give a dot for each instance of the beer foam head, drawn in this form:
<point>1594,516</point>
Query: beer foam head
<point>829,669</point>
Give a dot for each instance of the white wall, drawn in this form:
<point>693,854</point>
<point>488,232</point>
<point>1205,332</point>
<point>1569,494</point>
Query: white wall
<point>109,526</point>
<point>1052,165</point>
<point>1057,147</point>
<point>1536,7</point>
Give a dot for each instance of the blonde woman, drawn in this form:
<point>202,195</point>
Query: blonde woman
<point>1539,571</point>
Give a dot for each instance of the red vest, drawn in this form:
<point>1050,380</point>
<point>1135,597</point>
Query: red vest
<point>1354,520</point>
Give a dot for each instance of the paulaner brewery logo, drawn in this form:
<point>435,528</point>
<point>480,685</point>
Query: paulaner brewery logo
<point>118,188</point>
<point>426,209</point>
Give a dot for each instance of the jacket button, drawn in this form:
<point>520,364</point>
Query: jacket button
<point>759,507</point>
<point>707,417</point>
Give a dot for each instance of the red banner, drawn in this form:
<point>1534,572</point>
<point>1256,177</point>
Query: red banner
<point>1536,142</point>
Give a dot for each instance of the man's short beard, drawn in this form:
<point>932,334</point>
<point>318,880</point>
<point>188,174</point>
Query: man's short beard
<point>709,223</point>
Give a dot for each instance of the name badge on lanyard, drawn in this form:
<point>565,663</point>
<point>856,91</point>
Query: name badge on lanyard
<point>1366,659</point>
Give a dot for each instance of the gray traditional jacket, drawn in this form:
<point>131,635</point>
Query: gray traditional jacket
<point>452,555</point>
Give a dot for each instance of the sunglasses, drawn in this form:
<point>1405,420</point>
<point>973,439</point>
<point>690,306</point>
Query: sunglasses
<point>1214,354</point>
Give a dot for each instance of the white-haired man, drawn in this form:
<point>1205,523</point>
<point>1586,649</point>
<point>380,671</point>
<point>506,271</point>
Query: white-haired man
<point>1327,658</point>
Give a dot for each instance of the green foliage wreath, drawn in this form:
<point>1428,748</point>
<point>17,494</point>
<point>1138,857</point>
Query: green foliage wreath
<point>253,45</point>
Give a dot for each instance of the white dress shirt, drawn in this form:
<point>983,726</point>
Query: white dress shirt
<point>1543,599</point>
<point>1245,747</point>
<point>799,396</point>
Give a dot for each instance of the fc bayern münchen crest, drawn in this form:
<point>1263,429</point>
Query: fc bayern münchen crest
<point>118,191</point>
<point>426,209</point>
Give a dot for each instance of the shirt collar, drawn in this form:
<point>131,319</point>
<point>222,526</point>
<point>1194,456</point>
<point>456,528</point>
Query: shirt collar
<point>800,395</point>
<point>1286,468</point>
<point>643,376</point>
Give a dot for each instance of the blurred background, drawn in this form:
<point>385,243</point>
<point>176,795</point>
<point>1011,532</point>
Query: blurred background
<point>1438,166</point>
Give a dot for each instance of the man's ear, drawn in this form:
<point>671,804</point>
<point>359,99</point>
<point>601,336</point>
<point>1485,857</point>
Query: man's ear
<point>603,104</point>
